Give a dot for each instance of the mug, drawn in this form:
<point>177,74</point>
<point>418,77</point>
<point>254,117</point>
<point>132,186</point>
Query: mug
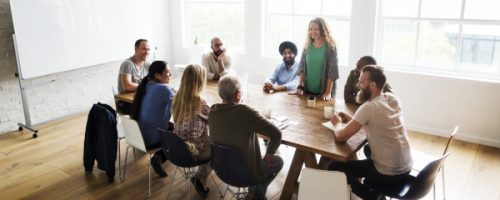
<point>311,101</point>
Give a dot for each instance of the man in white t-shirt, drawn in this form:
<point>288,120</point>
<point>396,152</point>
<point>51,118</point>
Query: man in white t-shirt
<point>381,116</point>
<point>218,62</point>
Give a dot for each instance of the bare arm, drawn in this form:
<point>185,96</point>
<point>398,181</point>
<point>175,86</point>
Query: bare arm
<point>299,91</point>
<point>128,85</point>
<point>327,95</point>
<point>352,127</point>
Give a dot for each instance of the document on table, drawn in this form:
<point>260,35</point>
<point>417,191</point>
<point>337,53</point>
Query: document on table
<point>330,126</point>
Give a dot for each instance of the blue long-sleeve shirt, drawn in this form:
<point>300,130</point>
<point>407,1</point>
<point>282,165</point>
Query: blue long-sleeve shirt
<point>284,76</point>
<point>155,111</point>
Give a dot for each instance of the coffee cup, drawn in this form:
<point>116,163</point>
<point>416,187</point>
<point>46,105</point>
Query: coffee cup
<point>328,111</point>
<point>311,101</point>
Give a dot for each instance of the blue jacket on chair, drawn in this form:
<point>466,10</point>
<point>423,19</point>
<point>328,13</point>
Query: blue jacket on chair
<point>101,140</point>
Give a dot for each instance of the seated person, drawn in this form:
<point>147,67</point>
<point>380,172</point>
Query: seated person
<point>241,133</point>
<point>284,77</point>
<point>190,113</point>
<point>151,109</point>
<point>132,71</point>
<point>351,86</point>
<point>217,62</point>
<point>382,119</point>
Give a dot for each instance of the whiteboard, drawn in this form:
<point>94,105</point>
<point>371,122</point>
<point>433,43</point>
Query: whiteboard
<point>60,35</point>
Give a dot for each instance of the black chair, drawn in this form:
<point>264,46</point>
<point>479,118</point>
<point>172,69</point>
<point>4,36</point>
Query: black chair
<point>231,168</point>
<point>415,187</point>
<point>179,155</point>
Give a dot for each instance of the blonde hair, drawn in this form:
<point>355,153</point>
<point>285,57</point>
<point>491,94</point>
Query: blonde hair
<point>188,101</point>
<point>324,32</point>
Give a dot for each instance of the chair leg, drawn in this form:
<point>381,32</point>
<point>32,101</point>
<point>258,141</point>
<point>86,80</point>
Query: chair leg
<point>173,181</point>
<point>215,183</point>
<point>444,186</point>
<point>149,175</point>
<point>434,191</point>
<point>119,159</point>
<point>125,164</point>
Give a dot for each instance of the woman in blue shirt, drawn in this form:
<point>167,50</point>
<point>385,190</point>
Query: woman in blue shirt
<point>151,108</point>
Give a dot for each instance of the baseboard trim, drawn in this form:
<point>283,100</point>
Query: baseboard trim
<point>460,135</point>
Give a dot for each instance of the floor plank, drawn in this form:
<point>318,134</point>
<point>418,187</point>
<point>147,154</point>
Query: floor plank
<point>51,167</point>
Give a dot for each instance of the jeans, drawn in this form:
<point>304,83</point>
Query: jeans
<point>356,169</point>
<point>259,191</point>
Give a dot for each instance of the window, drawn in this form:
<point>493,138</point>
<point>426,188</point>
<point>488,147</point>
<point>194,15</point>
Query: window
<point>457,37</point>
<point>205,19</point>
<point>289,20</point>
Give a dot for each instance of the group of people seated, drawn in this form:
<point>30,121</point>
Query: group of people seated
<point>235,124</point>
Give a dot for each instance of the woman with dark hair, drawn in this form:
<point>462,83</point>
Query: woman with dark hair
<point>151,109</point>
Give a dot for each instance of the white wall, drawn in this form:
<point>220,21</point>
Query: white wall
<point>432,104</point>
<point>58,95</point>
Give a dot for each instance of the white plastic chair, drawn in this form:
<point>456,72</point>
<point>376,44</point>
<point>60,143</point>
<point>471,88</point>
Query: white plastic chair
<point>134,139</point>
<point>121,135</point>
<point>322,185</point>
<point>421,159</point>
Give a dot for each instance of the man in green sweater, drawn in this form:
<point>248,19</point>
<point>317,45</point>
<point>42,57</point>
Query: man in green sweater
<point>236,125</point>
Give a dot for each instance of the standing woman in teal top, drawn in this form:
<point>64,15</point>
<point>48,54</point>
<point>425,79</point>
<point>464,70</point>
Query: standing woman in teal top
<point>318,69</point>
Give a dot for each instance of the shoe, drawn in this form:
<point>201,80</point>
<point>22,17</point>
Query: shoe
<point>158,167</point>
<point>200,189</point>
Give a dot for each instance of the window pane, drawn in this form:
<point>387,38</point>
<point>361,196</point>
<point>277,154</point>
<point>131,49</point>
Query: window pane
<point>227,23</point>
<point>399,8</point>
<point>398,42</point>
<point>279,6</point>
<point>441,8</point>
<point>437,46</point>
<point>312,7</point>
<point>301,26</point>
<point>482,9</point>
<point>279,29</point>
<point>480,44</point>
<point>340,30</point>
<point>337,7</point>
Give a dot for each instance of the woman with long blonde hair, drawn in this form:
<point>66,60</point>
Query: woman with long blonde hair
<point>190,113</point>
<point>318,69</point>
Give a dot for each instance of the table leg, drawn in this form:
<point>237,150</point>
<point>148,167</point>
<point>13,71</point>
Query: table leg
<point>293,174</point>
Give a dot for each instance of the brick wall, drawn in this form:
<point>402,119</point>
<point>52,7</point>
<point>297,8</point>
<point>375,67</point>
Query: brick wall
<point>58,95</point>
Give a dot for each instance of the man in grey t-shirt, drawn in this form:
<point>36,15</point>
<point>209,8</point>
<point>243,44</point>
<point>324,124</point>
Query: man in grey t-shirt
<point>381,116</point>
<point>132,71</point>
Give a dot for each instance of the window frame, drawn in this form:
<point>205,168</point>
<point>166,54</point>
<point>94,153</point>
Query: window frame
<point>458,68</point>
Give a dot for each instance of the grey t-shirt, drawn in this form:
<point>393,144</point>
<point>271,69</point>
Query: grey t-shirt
<point>128,67</point>
<point>383,119</point>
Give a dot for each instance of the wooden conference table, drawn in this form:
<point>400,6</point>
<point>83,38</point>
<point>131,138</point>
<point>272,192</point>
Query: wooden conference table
<point>304,132</point>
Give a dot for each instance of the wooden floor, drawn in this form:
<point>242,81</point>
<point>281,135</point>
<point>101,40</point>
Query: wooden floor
<point>51,167</point>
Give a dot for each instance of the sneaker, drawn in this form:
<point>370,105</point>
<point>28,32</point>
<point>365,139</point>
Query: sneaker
<point>157,166</point>
<point>200,189</point>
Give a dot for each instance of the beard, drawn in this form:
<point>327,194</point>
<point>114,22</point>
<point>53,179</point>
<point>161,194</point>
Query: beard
<point>218,53</point>
<point>363,96</point>
<point>289,61</point>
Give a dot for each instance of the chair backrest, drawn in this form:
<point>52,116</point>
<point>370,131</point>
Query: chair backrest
<point>450,140</point>
<point>321,184</point>
<point>230,166</point>
<point>424,181</point>
<point>132,133</point>
<point>176,149</point>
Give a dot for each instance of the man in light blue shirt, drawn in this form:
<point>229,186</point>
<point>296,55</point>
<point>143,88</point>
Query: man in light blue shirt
<point>284,76</point>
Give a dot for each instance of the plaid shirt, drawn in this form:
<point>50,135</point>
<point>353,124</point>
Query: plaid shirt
<point>196,131</point>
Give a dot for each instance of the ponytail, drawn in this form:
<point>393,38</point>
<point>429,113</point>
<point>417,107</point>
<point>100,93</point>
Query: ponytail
<point>139,95</point>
